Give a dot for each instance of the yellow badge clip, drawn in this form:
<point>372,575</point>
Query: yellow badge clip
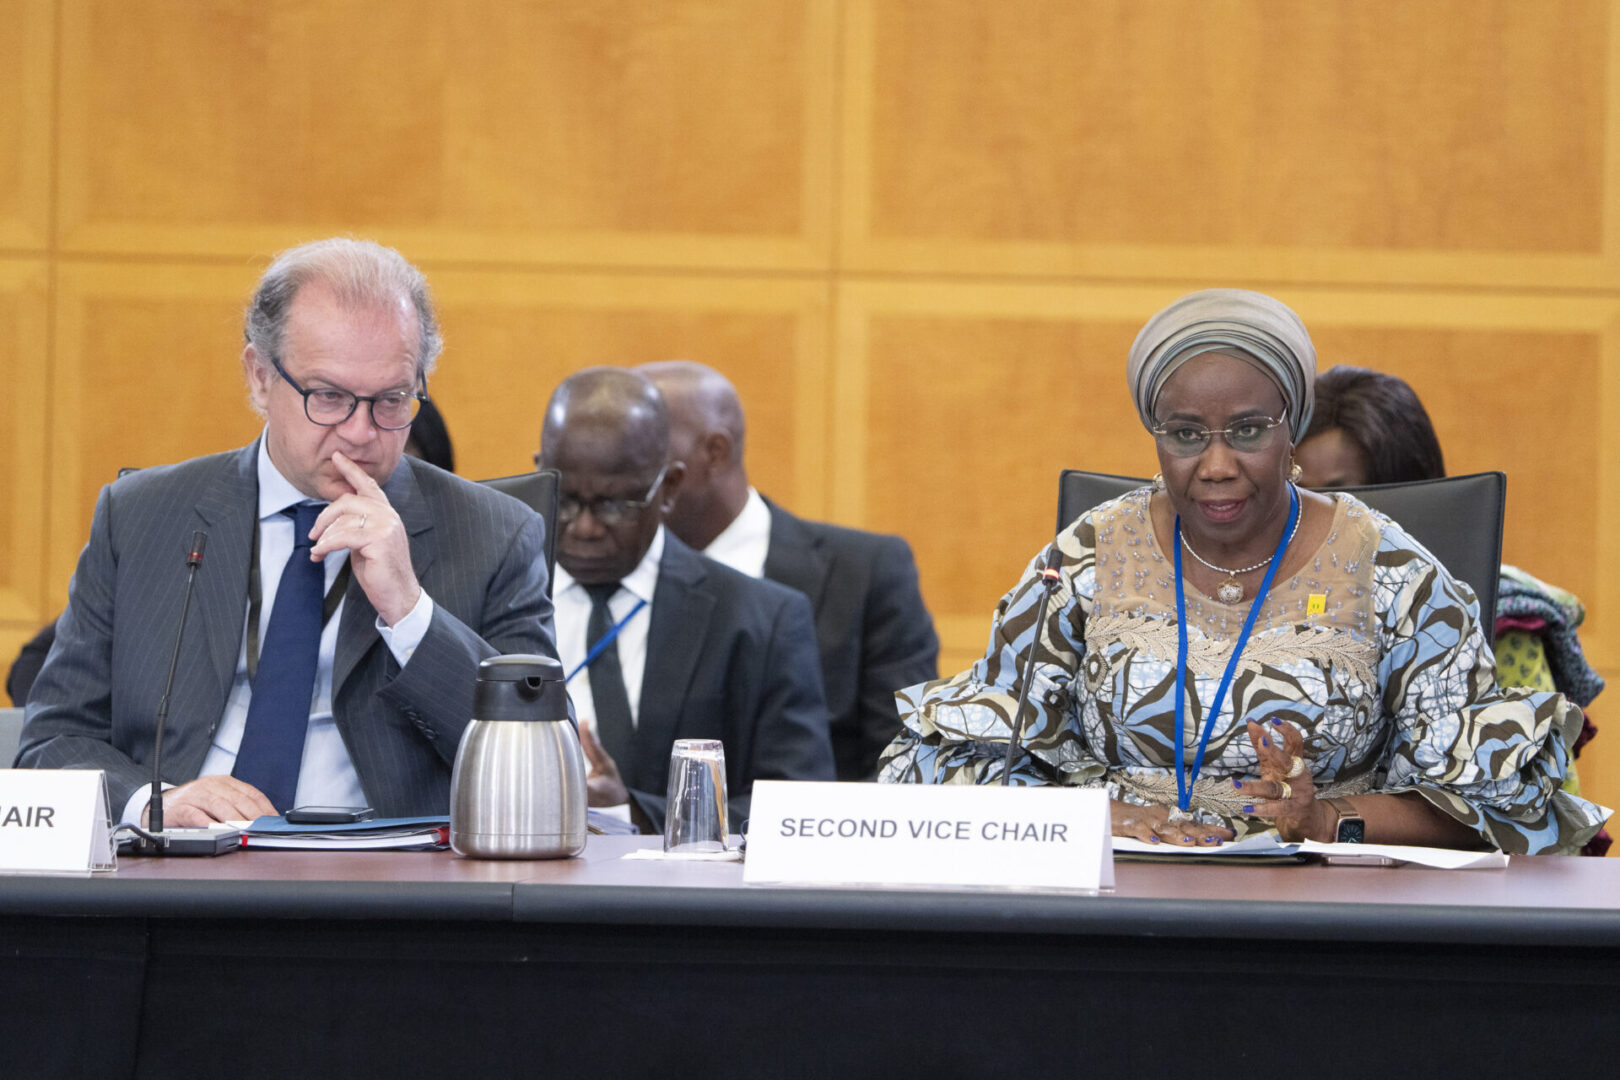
<point>1317,604</point>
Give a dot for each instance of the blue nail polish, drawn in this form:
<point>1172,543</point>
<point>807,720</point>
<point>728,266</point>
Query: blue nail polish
<point>1265,741</point>
<point>1248,808</point>
<point>1153,839</point>
<point>1186,839</point>
<point>1238,784</point>
<point>1209,839</point>
<point>1276,723</point>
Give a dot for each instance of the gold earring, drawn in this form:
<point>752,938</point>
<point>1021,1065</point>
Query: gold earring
<point>1158,481</point>
<point>1294,473</point>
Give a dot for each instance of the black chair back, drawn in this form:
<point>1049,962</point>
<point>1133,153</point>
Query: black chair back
<point>1458,518</point>
<point>538,491</point>
<point>1079,491</point>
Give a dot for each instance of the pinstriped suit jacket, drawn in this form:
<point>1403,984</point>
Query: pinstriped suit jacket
<point>479,555</point>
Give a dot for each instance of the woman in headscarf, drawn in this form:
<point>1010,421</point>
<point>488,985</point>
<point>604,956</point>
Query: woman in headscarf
<point>1228,653</point>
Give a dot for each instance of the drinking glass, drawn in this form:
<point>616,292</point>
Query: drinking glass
<point>695,811</point>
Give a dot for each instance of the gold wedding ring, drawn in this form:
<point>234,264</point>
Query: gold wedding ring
<point>1296,765</point>
<point>1287,791</point>
<point>367,517</point>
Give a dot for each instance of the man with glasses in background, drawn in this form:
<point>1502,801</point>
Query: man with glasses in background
<point>660,643</point>
<point>347,594</point>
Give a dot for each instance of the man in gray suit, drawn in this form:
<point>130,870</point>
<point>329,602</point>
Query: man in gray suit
<point>374,582</point>
<point>659,642</point>
<point>874,633</point>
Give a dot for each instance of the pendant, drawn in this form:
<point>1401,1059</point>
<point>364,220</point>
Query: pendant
<point>1230,591</point>
<point>1178,814</point>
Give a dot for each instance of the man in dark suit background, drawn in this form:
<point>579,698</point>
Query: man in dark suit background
<point>660,643</point>
<point>360,691</point>
<point>874,633</point>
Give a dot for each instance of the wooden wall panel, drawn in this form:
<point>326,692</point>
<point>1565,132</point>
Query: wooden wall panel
<point>1451,140</point>
<point>147,371</point>
<point>957,408</point>
<point>26,54</point>
<point>512,337</point>
<point>23,373</point>
<point>587,132</point>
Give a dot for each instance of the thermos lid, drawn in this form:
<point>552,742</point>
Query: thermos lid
<point>520,687</point>
<point>520,667</point>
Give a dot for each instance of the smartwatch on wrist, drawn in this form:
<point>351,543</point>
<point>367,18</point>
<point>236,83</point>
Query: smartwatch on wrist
<point>1351,828</point>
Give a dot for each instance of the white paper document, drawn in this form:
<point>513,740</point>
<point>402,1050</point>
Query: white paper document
<point>1268,843</point>
<point>733,855</point>
<point>1265,843</point>
<point>1434,858</point>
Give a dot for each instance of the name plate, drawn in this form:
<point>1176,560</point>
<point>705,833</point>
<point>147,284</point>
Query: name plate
<point>54,820</point>
<point>925,834</point>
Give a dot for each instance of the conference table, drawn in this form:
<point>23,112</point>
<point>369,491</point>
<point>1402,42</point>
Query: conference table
<point>426,964</point>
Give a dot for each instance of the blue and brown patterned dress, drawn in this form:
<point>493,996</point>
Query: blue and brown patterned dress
<point>1373,650</point>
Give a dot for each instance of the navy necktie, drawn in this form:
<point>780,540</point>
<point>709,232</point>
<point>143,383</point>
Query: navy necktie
<point>272,747</point>
<point>613,727</point>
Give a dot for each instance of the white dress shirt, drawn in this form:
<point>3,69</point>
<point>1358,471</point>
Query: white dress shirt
<point>744,543</point>
<point>572,615</point>
<point>326,776</point>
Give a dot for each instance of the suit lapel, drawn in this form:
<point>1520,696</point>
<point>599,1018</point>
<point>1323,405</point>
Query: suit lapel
<point>680,622</point>
<point>357,633</point>
<point>795,557</point>
<point>228,513</point>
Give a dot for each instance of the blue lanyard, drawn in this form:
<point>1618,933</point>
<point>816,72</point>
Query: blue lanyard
<point>1184,782</point>
<point>604,641</point>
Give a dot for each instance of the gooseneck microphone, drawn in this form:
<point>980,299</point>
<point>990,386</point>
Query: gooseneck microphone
<point>154,813</point>
<point>1049,582</point>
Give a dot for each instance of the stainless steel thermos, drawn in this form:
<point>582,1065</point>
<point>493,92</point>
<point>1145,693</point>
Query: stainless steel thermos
<point>518,788</point>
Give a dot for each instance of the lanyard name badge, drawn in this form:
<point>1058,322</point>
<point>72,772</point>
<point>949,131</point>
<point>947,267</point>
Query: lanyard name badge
<point>1185,780</point>
<point>604,641</point>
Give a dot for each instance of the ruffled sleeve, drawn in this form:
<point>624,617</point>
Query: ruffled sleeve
<point>956,730</point>
<point>1492,758</point>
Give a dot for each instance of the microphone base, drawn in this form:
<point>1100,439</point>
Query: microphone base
<point>188,843</point>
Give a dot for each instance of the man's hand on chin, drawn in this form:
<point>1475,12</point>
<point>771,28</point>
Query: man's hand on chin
<point>365,524</point>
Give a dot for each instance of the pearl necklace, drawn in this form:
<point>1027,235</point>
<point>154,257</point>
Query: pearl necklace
<point>1231,591</point>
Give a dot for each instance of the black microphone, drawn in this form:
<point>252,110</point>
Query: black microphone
<point>1049,581</point>
<point>156,842</point>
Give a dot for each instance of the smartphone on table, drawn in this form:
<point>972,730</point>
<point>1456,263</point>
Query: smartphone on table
<point>327,815</point>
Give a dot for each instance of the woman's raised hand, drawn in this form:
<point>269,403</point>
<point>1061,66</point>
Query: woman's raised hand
<point>1285,792</point>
